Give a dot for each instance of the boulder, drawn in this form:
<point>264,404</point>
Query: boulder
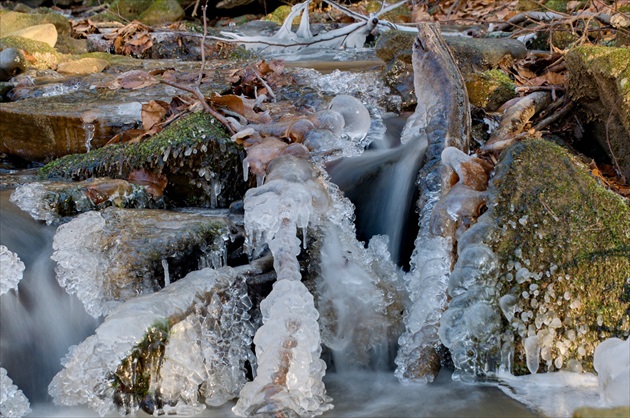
<point>541,278</point>
<point>599,83</point>
<point>14,21</point>
<point>46,33</point>
<point>44,55</point>
<point>12,62</point>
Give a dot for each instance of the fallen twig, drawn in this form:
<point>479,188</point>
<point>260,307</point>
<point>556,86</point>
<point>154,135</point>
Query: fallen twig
<point>203,44</point>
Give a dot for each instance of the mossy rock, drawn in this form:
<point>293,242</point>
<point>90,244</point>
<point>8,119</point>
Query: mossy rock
<point>572,237</point>
<point>490,89</point>
<point>150,12</point>
<point>599,82</point>
<point>280,14</point>
<point>45,55</point>
<point>195,154</point>
<point>586,412</point>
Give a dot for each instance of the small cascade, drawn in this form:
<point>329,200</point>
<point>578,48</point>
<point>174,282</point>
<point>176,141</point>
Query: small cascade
<point>89,130</point>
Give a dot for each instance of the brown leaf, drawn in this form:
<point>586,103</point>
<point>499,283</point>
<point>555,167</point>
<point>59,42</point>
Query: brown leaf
<point>154,183</point>
<point>136,79</point>
<point>153,113</point>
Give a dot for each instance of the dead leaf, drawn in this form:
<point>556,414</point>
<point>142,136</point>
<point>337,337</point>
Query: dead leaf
<point>153,113</point>
<point>154,183</point>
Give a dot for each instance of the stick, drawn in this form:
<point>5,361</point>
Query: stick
<point>203,44</point>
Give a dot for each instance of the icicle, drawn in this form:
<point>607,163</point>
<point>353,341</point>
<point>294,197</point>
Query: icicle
<point>167,277</point>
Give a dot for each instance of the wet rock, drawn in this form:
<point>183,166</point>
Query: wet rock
<point>12,62</point>
<point>490,89</point>
<point>201,163</point>
<point>112,256</point>
<point>552,282</point>
<point>599,82</point>
<point>83,66</point>
<point>46,33</point>
<point>51,201</point>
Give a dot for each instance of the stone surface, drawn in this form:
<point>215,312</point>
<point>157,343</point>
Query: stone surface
<point>558,251</point>
<point>599,82</point>
<point>150,12</point>
<point>83,66</point>
<point>489,89</point>
<point>13,21</point>
<point>46,33</point>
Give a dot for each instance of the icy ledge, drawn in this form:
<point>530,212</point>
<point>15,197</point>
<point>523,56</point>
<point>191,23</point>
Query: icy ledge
<point>13,403</point>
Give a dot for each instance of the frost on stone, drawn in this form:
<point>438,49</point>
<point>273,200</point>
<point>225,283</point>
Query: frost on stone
<point>612,363</point>
<point>13,403</point>
<point>11,271</point>
<point>51,201</point>
<point>136,359</point>
<point>290,371</point>
<point>111,256</point>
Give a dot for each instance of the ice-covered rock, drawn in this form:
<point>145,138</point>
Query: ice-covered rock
<point>170,349</point>
<point>355,115</point>
<point>11,271</point>
<point>111,256</point>
<point>51,201</point>
<point>612,363</point>
<point>13,403</point>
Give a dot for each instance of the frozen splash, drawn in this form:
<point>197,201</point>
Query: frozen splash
<point>12,270</point>
<point>13,403</point>
<point>290,371</point>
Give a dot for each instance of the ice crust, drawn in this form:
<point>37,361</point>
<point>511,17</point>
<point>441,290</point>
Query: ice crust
<point>12,270</point>
<point>13,403</point>
<point>290,371</point>
<point>612,363</point>
<point>211,342</point>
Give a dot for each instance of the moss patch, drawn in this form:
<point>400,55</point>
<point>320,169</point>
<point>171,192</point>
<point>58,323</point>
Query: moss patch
<point>194,153</point>
<point>490,89</point>
<point>572,238</point>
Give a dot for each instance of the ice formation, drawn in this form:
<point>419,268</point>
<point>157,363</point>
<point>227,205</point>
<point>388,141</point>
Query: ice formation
<point>355,115</point>
<point>11,271</point>
<point>13,403</point>
<point>612,363</point>
<point>206,349</point>
<point>111,256</point>
<point>290,371</point>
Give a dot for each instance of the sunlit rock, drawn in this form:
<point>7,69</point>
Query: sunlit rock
<point>13,403</point>
<point>112,256</point>
<point>555,280</point>
<point>169,352</point>
<point>11,271</point>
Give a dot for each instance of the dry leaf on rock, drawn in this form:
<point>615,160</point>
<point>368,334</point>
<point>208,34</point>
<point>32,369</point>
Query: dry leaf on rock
<point>135,79</point>
<point>153,113</point>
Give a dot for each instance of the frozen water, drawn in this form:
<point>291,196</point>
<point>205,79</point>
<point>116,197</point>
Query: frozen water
<point>355,115</point>
<point>13,403</point>
<point>31,198</point>
<point>612,363</point>
<point>89,368</point>
<point>11,271</point>
<point>290,372</point>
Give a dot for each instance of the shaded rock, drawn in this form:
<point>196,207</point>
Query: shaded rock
<point>13,21</point>
<point>490,89</point>
<point>541,277</point>
<point>46,33</point>
<point>202,164</point>
<point>599,82</point>
<point>83,66</point>
<point>51,201</point>
<point>12,62</point>
<point>112,256</point>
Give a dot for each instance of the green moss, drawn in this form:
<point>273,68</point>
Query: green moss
<point>394,44</point>
<point>29,45</point>
<point>557,5</point>
<point>191,146</point>
<point>607,61</point>
<point>150,12</point>
<point>134,376</point>
<point>280,14</point>
<point>561,225</point>
<point>490,89</point>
